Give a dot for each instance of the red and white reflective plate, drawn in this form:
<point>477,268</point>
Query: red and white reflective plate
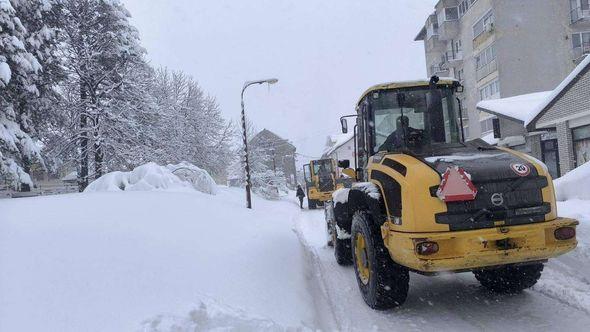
<point>456,186</point>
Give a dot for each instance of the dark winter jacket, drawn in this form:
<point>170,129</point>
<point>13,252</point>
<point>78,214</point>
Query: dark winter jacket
<point>300,192</point>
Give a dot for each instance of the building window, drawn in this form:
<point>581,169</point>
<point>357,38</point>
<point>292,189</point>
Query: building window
<point>581,137</point>
<point>464,7</point>
<point>486,23</point>
<point>579,9</point>
<point>485,62</point>
<point>451,14</point>
<point>485,57</point>
<point>581,44</point>
<point>487,126</point>
<point>490,91</point>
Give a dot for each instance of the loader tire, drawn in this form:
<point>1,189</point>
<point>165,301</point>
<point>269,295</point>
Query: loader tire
<point>383,283</point>
<point>342,251</point>
<point>510,279</point>
<point>311,204</point>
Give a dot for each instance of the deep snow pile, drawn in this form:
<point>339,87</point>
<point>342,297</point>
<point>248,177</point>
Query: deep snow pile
<point>199,178</point>
<point>151,176</point>
<point>151,261</point>
<point>574,185</point>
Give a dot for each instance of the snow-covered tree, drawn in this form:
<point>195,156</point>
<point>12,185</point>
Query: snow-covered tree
<point>191,124</point>
<point>102,49</point>
<point>19,69</point>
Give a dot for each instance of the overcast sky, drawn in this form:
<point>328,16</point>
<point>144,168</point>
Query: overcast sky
<point>325,54</point>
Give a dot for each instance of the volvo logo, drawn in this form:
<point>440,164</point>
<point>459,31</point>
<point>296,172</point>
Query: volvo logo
<point>498,199</point>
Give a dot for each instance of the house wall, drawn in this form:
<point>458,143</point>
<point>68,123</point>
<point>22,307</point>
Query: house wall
<point>509,128</point>
<point>345,152</point>
<point>575,102</point>
<point>284,154</point>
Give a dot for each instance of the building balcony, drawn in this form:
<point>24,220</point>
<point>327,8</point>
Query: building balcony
<point>448,30</point>
<point>440,70</point>
<point>486,70</point>
<point>581,52</point>
<point>579,14</point>
<point>435,44</point>
<point>454,58</point>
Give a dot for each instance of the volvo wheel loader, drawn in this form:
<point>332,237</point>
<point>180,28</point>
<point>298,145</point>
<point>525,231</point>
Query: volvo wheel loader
<point>322,178</point>
<point>427,201</point>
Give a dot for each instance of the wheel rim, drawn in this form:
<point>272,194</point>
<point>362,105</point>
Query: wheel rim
<point>362,260</point>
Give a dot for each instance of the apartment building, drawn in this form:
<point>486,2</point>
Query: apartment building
<point>504,48</point>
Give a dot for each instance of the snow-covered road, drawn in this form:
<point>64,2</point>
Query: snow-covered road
<point>456,301</point>
<point>181,261</point>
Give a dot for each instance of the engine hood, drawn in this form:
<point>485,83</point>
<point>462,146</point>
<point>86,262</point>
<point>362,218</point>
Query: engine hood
<point>485,165</point>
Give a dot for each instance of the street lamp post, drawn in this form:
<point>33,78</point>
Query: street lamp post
<point>245,137</point>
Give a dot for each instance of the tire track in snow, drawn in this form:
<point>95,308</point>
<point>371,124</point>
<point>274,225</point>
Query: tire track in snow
<point>449,302</point>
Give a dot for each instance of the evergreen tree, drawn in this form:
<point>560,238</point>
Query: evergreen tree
<point>18,77</point>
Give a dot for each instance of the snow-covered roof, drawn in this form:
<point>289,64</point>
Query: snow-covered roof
<point>336,141</point>
<point>526,108</point>
<point>521,108</point>
<point>561,88</point>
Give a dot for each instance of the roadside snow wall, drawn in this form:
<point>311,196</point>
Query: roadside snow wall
<point>575,184</point>
<point>152,176</point>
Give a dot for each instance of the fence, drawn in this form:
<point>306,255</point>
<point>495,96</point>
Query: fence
<point>41,189</point>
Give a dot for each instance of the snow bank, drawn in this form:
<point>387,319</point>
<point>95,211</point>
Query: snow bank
<point>199,178</point>
<point>151,176</point>
<point>147,177</point>
<point>210,317</point>
<point>574,185</point>
<point>152,261</point>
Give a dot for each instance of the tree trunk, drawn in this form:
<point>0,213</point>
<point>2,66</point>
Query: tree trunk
<point>83,174</point>
<point>98,152</point>
<point>25,187</point>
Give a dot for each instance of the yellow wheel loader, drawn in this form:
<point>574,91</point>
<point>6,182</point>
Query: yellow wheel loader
<point>322,178</point>
<point>427,201</point>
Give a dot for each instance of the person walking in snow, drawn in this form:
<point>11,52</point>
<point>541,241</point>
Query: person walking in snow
<point>300,195</point>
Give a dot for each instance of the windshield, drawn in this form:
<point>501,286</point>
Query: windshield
<point>414,119</point>
<point>322,167</point>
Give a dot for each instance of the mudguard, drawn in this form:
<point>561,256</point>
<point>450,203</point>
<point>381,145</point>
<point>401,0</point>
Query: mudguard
<point>358,200</point>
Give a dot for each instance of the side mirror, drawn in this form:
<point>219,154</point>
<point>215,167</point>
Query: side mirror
<point>344,163</point>
<point>344,124</point>
<point>460,89</point>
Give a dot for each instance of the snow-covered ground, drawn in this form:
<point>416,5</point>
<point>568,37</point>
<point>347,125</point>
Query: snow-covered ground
<point>188,261</point>
<point>149,261</point>
<point>456,302</point>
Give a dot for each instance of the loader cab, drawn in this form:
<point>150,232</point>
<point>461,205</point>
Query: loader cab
<point>417,118</point>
